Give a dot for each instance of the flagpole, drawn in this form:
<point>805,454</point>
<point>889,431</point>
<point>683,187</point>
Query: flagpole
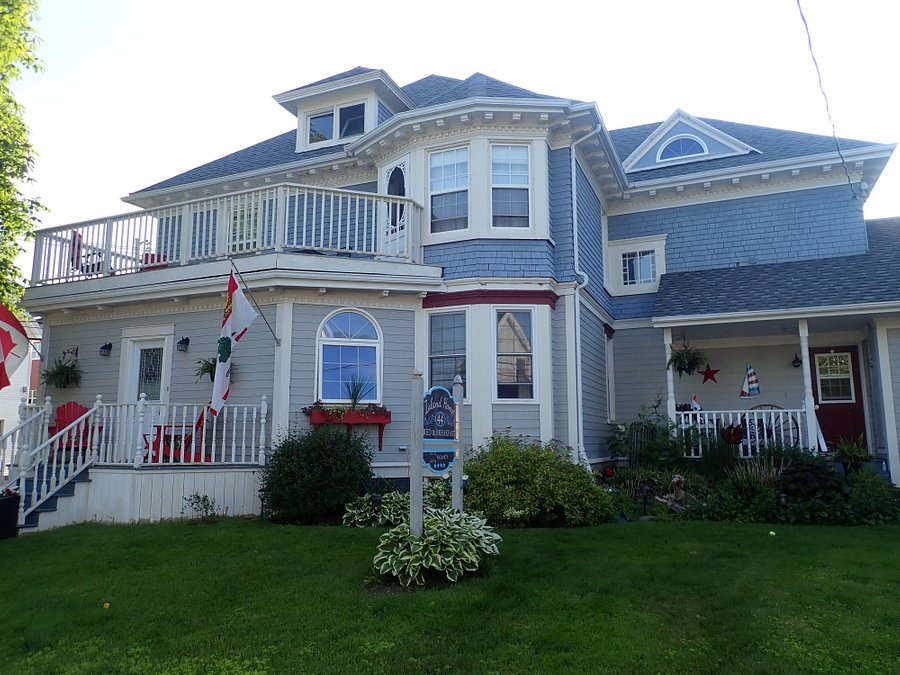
<point>250,293</point>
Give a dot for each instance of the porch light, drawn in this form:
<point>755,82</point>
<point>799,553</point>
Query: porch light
<point>105,349</point>
<point>796,362</point>
<point>182,344</point>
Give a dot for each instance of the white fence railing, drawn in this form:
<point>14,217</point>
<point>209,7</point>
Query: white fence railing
<point>21,440</point>
<point>748,430</point>
<point>286,217</point>
<point>137,434</point>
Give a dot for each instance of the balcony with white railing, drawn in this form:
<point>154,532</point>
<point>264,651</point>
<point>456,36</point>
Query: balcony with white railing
<point>283,218</point>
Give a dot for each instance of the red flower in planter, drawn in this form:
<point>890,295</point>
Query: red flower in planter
<point>609,472</point>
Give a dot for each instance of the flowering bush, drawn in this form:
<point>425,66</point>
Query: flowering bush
<point>337,412</point>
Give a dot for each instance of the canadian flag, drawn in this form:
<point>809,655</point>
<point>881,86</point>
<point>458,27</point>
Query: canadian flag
<point>13,345</point>
<point>239,314</point>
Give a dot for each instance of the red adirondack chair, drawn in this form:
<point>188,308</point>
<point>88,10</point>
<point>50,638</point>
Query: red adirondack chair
<point>173,442</point>
<point>77,438</point>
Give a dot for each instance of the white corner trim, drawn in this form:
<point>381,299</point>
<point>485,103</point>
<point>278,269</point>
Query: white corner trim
<point>887,396</point>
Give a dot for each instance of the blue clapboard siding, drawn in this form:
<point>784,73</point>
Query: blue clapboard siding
<point>398,330</point>
<point>561,223</point>
<point>640,364</point>
<point>517,419</point>
<point>560,375</point>
<point>383,113</point>
<point>492,258</point>
<point>594,401</point>
<point>590,239</point>
<point>800,225</point>
<point>633,306</point>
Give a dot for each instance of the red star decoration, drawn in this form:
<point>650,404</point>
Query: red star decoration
<point>709,374</point>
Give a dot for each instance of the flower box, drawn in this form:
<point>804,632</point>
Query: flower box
<point>379,417</point>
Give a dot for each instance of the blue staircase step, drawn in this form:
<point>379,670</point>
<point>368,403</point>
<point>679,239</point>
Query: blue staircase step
<point>51,505</point>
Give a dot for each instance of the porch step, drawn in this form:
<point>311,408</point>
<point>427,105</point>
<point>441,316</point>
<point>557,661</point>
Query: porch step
<point>52,504</point>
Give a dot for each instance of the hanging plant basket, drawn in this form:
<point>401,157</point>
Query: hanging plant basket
<point>61,374</point>
<point>206,367</point>
<point>685,360</point>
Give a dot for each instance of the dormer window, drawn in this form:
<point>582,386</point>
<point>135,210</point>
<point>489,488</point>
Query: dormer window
<point>683,146</point>
<point>338,123</point>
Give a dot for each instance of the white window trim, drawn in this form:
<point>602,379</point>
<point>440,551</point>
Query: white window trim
<point>462,309</point>
<point>335,111</point>
<point>480,186</point>
<point>535,365</point>
<point>132,339</point>
<point>819,379</point>
<point>680,158</point>
<point>617,248</point>
<point>379,354</point>
<point>505,230</point>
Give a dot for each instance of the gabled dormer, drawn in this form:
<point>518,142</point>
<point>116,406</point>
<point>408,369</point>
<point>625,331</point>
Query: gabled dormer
<point>681,139</point>
<point>341,108</point>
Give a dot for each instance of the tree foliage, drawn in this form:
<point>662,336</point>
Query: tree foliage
<point>18,214</point>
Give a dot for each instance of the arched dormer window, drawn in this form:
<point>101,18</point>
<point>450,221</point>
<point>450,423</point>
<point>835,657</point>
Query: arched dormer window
<point>682,146</point>
<point>349,356</point>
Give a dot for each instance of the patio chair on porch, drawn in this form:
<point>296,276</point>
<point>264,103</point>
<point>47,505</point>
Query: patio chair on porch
<point>76,438</point>
<point>176,442</point>
<point>86,259</point>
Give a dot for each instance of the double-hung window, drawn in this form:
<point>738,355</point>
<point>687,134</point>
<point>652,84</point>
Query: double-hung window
<point>349,360</point>
<point>449,187</point>
<point>835,377</point>
<point>638,267</point>
<point>446,349</point>
<point>341,122</point>
<point>509,185</point>
<point>515,354</point>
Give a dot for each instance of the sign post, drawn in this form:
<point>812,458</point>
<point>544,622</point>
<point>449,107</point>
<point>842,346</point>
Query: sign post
<point>415,458</point>
<point>458,469</point>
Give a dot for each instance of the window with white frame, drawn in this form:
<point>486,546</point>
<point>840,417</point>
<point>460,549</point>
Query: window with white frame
<point>681,146</point>
<point>509,185</point>
<point>446,349</point>
<point>448,175</point>
<point>515,354</point>
<point>635,265</point>
<point>834,374</point>
<point>349,359</point>
<point>340,122</point>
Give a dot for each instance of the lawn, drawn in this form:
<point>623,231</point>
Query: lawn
<point>247,596</point>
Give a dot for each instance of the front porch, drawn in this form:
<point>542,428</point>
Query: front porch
<point>129,462</point>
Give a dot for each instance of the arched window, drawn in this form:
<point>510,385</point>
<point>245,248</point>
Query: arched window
<point>349,359</point>
<point>683,146</point>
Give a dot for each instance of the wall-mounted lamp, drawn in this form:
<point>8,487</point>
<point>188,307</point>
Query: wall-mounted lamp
<point>182,344</point>
<point>796,362</point>
<point>105,349</point>
<point>71,351</point>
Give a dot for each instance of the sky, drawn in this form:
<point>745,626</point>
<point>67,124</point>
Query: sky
<point>135,91</point>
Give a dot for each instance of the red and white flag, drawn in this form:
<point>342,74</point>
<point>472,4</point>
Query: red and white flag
<point>13,345</point>
<point>237,319</point>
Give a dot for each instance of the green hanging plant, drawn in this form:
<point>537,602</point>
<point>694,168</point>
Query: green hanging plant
<point>685,360</point>
<point>62,373</point>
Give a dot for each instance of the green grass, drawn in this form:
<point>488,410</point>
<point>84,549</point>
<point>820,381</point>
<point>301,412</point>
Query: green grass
<point>248,596</point>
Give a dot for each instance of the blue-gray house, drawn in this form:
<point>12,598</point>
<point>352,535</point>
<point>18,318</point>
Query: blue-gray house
<point>475,228</point>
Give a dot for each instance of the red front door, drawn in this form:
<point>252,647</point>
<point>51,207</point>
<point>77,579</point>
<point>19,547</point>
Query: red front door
<point>837,389</point>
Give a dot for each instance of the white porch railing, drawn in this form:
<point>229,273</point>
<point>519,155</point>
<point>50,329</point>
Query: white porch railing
<point>137,434</point>
<point>286,217</point>
<point>21,440</point>
<point>750,430</point>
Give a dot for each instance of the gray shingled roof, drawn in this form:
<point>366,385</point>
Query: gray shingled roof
<point>481,86</point>
<point>353,72</point>
<point>849,280</point>
<point>276,151</point>
<point>428,88</point>
<point>772,144</point>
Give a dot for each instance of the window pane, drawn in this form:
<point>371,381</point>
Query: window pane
<point>449,169</point>
<point>513,332</point>
<point>444,370</point>
<point>353,120</point>
<point>321,128</point>
<point>447,349</point>
<point>449,211</point>
<point>681,147</point>
<point>150,373</point>
<point>638,268</point>
<point>509,164</point>
<point>342,364</point>
<point>515,377</point>
<point>349,325</point>
<point>510,207</point>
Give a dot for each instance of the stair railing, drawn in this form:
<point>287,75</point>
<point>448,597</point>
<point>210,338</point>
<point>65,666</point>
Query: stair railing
<point>17,443</point>
<point>58,460</point>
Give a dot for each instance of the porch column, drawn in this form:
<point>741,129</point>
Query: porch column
<point>809,403</point>
<point>889,412</point>
<point>281,389</point>
<point>670,376</point>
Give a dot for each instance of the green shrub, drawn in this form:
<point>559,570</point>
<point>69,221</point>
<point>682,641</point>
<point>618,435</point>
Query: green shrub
<point>451,545</point>
<point>516,482</point>
<point>872,500</point>
<point>630,480</point>
<point>811,491</point>
<point>310,475</point>
<point>392,508</point>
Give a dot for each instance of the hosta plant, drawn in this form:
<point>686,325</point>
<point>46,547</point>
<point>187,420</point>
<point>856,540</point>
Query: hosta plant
<point>389,510</point>
<point>451,544</point>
